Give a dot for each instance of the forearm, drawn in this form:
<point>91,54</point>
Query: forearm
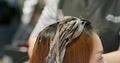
<point>112,57</point>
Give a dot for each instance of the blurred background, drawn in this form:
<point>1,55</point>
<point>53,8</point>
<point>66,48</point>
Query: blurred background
<point>17,19</point>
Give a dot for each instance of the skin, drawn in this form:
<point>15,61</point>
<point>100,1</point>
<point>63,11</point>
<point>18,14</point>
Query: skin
<point>31,43</point>
<point>97,51</point>
<point>112,57</point>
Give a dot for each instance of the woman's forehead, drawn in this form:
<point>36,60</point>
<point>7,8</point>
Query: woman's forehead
<point>97,43</point>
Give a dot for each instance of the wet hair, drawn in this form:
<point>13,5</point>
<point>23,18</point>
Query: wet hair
<point>78,50</point>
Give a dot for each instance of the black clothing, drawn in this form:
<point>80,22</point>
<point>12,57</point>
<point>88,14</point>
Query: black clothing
<point>104,15</point>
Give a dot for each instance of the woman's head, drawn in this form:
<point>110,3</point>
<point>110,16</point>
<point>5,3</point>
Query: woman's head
<point>71,40</point>
<point>96,56</point>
